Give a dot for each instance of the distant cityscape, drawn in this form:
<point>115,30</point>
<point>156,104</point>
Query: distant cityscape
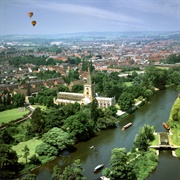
<point>107,51</point>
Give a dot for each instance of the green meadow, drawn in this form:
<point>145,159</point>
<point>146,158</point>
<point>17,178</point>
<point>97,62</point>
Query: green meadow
<point>31,144</point>
<point>10,115</point>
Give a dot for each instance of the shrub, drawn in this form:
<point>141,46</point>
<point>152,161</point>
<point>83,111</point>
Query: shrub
<point>34,160</point>
<point>45,149</point>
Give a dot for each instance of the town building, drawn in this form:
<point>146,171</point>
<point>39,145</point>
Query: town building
<point>86,97</point>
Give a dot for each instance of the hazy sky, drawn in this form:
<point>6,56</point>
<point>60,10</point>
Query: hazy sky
<point>68,16</point>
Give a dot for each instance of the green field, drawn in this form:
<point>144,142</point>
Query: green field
<point>31,144</point>
<point>10,115</point>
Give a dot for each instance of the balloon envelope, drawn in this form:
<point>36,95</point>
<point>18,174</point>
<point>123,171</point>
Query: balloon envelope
<point>30,14</point>
<point>33,23</point>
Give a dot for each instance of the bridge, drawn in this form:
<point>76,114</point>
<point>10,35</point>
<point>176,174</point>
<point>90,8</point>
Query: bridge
<point>165,147</point>
<point>164,142</point>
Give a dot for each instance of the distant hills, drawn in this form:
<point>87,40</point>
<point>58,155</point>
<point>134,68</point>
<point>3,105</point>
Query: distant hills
<point>92,35</point>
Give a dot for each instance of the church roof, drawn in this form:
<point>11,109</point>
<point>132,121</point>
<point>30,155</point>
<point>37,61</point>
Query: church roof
<point>70,96</point>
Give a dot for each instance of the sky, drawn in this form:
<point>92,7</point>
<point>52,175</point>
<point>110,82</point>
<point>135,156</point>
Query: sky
<point>72,16</point>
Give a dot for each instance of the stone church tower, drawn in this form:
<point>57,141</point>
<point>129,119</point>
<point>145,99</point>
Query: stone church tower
<point>89,87</point>
<point>86,97</point>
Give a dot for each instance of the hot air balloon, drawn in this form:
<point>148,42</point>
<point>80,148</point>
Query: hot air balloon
<point>33,23</point>
<point>30,14</point>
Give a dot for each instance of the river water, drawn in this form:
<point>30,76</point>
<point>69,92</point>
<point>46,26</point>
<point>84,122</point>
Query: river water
<point>153,113</point>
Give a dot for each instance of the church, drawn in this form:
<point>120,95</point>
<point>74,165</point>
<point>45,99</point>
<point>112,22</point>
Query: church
<point>86,97</point>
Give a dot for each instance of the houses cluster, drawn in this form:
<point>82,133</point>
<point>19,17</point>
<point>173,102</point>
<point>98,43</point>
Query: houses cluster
<point>108,55</point>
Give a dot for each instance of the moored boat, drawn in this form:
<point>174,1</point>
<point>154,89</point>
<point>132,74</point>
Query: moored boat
<point>166,126</point>
<point>126,126</point>
<point>98,168</point>
<point>104,178</point>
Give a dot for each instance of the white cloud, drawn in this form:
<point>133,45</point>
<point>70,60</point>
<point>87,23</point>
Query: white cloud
<point>163,7</point>
<point>88,11</point>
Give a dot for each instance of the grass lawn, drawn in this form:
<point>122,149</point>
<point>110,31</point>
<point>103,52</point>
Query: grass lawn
<point>175,137</point>
<point>31,145</point>
<point>13,114</point>
<point>162,67</point>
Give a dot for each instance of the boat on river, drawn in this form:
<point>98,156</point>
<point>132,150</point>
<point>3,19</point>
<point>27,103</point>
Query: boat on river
<point>98,168</point>
<point>104,178</point>
<point>126,126</point>
<point>166,126</point>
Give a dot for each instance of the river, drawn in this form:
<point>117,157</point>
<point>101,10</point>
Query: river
<point>153,113</point>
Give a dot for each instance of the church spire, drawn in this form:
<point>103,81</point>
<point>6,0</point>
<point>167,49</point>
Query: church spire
<point>88,86</point>
<point>89,75</point>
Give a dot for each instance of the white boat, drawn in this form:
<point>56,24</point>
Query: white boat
<point>104,178</point>
<point>98,168</point>
<point>91,147</point>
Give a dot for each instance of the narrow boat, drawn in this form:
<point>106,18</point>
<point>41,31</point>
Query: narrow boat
<point>104,178</point>
<point>91,147</point>
<point>98,168</point>
<point>126,126</point>
<point>166,126</point>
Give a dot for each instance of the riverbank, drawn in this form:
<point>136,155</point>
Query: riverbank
<point>174,123</point>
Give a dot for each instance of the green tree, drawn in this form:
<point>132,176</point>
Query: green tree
<point>9,166</point>
<point>62,88</point>
<point>26,152</point>
<point>70,109</point>
<point>8,99</point>
<point>18,100</point>
<point>106,122</point>
<point>58,138</point>
<point>178,88</point>
<point>126,100</point>
<point>37,121</point>
<point>77,88</point>
<point>176,114</point>
<point>148,93</point>
<point>73,172</point>
<point>120,168</point>
<point>45,149</point>
<point>94,110</point>
<point>144,137</point>
<point>158,77</point>
<point>49,101</point>
<point>79,126</point>
<point>173,58</point>
<point>5,137</point>
<point>32,100</point>
<point>97,79</point>
<point>34,160</point>
<point>53,118</point>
